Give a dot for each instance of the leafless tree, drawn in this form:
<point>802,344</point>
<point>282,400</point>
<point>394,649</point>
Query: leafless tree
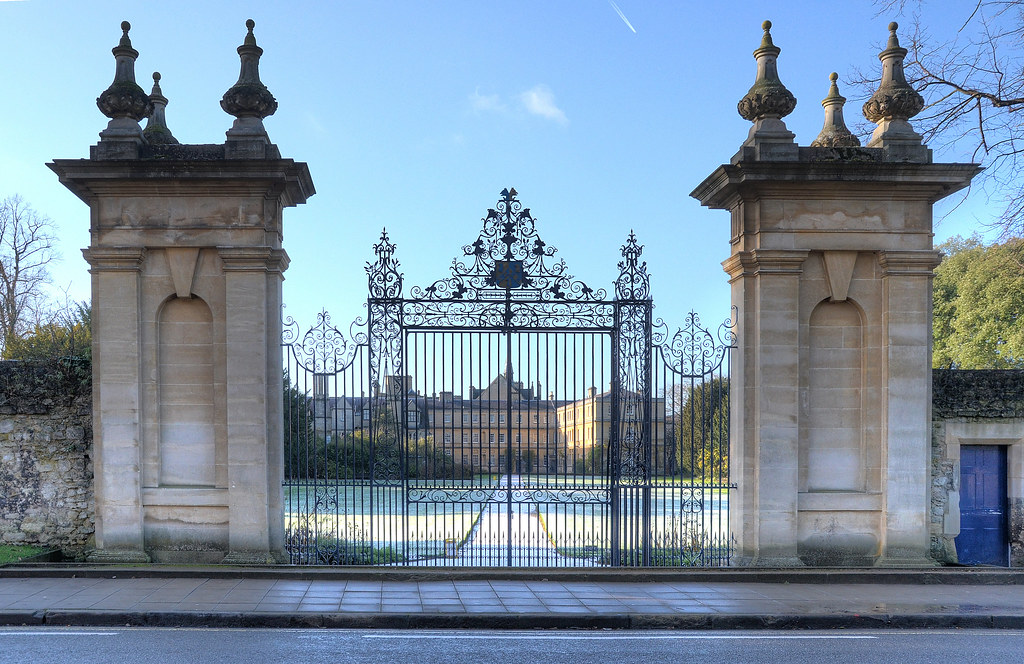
<point>26,251</point>
<point>973,85</point>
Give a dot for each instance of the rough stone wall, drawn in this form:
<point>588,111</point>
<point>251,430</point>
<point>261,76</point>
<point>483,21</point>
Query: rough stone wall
<point>46,494</point>
<point>975,397</point>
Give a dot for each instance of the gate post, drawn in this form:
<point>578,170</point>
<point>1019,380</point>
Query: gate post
<point>186,262</point>
<point>831,266</point>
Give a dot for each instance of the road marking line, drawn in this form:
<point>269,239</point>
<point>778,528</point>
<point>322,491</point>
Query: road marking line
<point>59,633</point>
<point>645,637</point>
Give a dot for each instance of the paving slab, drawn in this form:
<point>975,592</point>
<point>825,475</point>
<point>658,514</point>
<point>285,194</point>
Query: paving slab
<point>219,596</point>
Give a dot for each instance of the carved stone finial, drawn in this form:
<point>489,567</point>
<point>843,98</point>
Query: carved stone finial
<point>248,99</point>
<point>835,133</point>
<point>768,100</point>
<point>156,131</point>
<point>124,102</point>
<point>895,101</point>
<point>768,97</point>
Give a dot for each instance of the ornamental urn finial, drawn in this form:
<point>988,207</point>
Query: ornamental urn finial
<point>156,131</point>
<point>124,102</point>
<point>835,133</point>
<point>248,99</point>
<point>768,100</point>
<point>895,101</point>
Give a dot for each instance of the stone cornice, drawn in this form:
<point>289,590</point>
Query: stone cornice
<point>114,259</point>
<point>283,179</point>
<point>253,259</point>
<point>764,261</point>
<point>748,180</point>
<point>920,263</point>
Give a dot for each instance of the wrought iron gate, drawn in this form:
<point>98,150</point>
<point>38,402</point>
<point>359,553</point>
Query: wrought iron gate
<point>508,414</point>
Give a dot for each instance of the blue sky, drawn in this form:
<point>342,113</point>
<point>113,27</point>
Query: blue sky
<point>415,115</point>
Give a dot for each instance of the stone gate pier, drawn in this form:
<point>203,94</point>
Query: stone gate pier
<point>831,266</point>
<point>186,262</point>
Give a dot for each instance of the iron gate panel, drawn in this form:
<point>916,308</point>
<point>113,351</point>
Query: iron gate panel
<point>507,415</point>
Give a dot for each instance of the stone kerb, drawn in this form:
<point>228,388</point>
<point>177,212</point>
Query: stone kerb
<point>830,269</point>
<point>186,262</point>
<point>46,472</point>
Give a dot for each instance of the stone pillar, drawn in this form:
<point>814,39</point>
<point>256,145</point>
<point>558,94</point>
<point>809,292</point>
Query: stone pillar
<point>831,267</point>
<point>186,263</point>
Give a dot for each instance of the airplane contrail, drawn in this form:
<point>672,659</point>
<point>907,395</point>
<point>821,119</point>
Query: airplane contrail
<point>622,16</point>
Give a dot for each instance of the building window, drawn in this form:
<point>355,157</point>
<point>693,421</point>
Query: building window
<point>490,438</point>
<point>476,437</point>
<point>492,418</point>
<point>465,438</point>
<point>535,418</point>
<point>501,438</point>
<point>447,417</point>
<point>501,418</point>
<point>476,418</point>
<point>465,418</point>
<point>410,418</point>
<point>519,437</point>
<point>448,437</point>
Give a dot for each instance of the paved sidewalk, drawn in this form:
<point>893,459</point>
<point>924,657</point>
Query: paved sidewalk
<point>246,597</point>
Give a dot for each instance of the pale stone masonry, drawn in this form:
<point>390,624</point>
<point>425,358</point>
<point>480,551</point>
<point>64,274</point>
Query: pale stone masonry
<point>186,262</point>
<point>831,266</point>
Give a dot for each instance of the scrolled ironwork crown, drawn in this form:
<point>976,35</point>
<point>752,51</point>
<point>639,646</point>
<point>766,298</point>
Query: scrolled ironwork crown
<point>509,260</point>
<point>385,280</point>
<point>633,283</point>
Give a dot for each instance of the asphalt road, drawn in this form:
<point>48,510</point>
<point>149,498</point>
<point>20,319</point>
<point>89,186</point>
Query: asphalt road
<point>151,645</point>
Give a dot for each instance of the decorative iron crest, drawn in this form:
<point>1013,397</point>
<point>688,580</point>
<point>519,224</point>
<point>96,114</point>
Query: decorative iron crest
<point>323,348</point>
<point>509,261</point>
<point>633,283</point>
<point>384,278</point>
<point>694,351</point>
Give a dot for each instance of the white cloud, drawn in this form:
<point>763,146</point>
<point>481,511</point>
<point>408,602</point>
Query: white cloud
<point>481,102</point>
<point>539,100</point>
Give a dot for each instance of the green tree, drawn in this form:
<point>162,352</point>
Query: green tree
<point>703,431</point>
<point>68,335</point>
<point>979,305</point>
<point>299,435</point>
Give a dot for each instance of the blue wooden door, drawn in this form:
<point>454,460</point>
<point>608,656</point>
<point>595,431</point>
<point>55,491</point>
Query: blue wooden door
<point>983,514</point>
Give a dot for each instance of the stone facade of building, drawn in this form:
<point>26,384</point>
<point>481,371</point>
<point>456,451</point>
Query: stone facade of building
<point>831,266</point>
<point>186,262</point>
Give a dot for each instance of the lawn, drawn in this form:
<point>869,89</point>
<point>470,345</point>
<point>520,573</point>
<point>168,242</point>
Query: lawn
<point>11,553</point>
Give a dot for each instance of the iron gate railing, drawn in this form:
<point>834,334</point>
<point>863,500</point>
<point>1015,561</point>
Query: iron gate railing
<point>507,415</point>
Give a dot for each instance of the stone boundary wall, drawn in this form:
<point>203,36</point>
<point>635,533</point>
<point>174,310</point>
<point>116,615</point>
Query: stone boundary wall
<point>46,469</point>
<point>974,407</point>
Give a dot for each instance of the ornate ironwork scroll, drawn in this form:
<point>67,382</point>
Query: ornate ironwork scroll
<point>469,419</point>
<point>509,279</point>
<point>385,344</point>
<point>633,365</point>
<point>323,348</point>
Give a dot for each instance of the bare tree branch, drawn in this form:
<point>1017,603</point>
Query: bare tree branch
<point>973,84</point>
<point>27,247</point>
